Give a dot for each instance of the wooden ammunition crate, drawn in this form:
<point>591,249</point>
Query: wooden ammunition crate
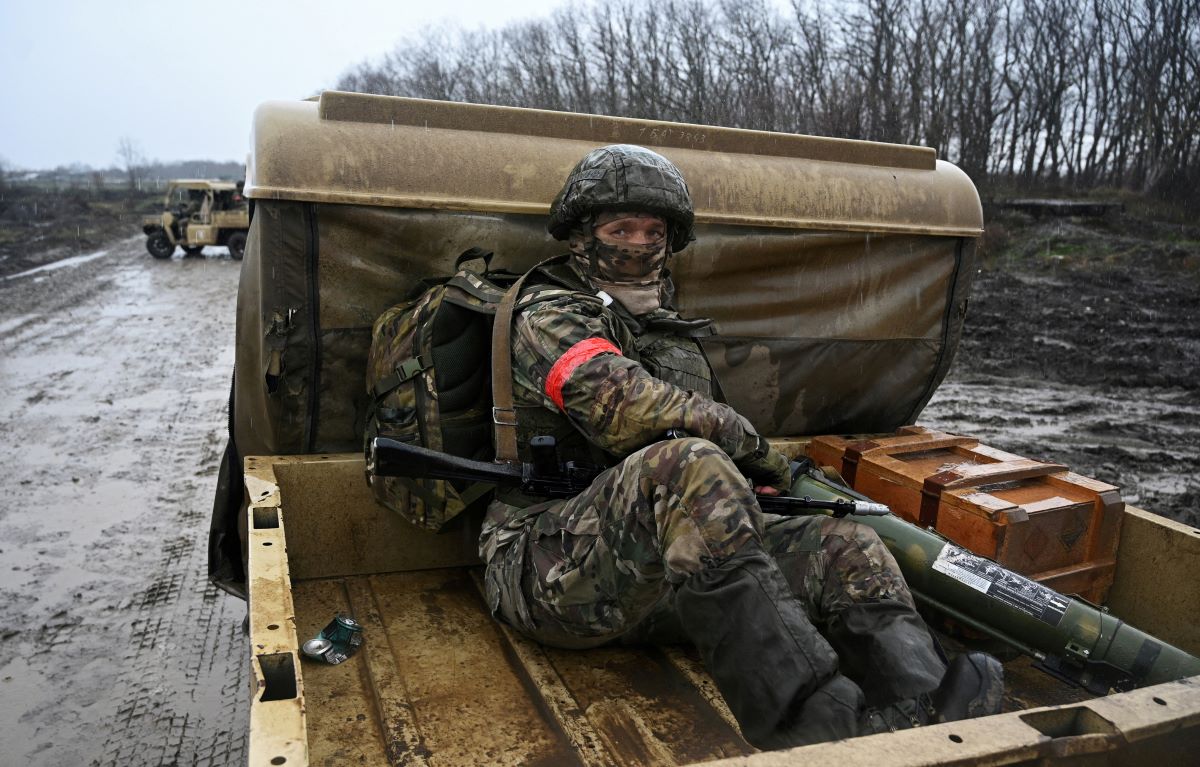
<point>1039,519</point>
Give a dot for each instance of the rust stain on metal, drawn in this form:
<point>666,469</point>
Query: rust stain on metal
<point>665,711</point>
<point>632,740</point>
<point>470,705</point>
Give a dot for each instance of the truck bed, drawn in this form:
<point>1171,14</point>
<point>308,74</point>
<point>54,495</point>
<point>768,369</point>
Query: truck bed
<point>437,676</point>
<point>439,682</point>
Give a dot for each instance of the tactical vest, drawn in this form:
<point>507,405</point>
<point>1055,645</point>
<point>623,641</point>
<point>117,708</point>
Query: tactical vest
<point>663,343</point>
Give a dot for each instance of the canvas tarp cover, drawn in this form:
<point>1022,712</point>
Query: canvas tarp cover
<point>819,332</point>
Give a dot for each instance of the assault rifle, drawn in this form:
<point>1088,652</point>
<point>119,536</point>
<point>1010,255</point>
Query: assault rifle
<point>548,478</point>
<point>1069,638</point>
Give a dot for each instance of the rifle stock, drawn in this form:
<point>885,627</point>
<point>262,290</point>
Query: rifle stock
<point>392,458</point>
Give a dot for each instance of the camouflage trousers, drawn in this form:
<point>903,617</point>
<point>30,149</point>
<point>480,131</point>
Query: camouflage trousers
<point>602,566</point>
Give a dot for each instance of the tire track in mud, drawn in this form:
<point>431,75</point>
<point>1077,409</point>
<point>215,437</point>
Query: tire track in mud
<point>118,372</point>
<point>151,726</point>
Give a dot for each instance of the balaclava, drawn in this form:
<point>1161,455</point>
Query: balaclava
<point>629,273</point>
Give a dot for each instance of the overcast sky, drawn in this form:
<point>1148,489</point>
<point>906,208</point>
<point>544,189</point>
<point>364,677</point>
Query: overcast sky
<point>182,78</point>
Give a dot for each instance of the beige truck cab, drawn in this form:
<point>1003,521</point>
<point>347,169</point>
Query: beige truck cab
<point>837,272</point>
<point>199,212</point>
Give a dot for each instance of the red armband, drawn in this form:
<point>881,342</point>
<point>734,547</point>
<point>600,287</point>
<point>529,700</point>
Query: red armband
<point>573,358</point>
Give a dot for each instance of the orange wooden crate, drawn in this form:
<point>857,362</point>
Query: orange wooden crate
<point>1039,519</point>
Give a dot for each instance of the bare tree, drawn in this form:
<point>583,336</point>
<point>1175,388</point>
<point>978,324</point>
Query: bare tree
<point>132,160</point>
<point>696,87</point>
<point>1031,91</point>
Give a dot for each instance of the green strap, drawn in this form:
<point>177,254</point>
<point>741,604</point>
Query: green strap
<point>504,414</point>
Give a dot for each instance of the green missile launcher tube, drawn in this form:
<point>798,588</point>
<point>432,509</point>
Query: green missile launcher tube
<point>1070,638</point>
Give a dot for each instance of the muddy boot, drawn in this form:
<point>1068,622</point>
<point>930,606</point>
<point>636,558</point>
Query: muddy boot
<point>885,646</point>
<point>778,675</point>
<point>973,686</point>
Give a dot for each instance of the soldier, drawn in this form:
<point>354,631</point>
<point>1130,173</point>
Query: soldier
<point>805,623</point>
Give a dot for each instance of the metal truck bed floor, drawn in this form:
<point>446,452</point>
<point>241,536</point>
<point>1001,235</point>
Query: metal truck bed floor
<point>434,661</point>
<point>438,682</point>
<point>438,677</point>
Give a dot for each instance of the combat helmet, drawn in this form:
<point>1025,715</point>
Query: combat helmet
<point>624,177</point>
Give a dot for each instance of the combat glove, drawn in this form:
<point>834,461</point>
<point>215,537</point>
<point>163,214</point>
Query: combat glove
<point>767,466</point>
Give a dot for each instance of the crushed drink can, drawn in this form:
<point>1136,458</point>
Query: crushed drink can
<point>336,642</point>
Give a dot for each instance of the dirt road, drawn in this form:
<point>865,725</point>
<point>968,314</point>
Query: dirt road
<point>116,369</point>
<point>115,372</point>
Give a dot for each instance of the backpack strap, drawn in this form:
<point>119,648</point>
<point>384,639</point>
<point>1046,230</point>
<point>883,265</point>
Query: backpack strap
<point>470,254</point>
<point>504,415</point>
<point>403,372</point>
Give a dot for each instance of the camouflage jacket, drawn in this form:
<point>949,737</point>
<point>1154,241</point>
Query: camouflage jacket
<point>578,369</point>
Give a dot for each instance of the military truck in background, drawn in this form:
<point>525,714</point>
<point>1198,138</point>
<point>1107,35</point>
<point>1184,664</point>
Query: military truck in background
<point>199,212</point>
<point>837,272</point>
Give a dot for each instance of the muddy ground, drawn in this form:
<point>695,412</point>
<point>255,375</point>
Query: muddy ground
<point>115,648</point>
<point>116,367</point>
<point>1082,346</point>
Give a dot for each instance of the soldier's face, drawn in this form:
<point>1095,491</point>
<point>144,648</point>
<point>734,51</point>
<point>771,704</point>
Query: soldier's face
<point>632,229</point>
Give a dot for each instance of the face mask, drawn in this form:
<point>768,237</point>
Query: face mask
<point>636,264</point>
<point>617,263</point>
<point>628,273</point>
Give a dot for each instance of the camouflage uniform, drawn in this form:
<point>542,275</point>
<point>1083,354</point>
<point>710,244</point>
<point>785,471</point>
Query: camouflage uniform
<point>669,542</point>
<point>602,566</point>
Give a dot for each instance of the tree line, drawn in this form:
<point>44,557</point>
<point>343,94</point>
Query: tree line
<point>1025,92</point>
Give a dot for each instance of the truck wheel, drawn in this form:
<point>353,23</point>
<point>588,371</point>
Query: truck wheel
<point>193,250</point>
<point>237,245</point>
<point>160,245</point>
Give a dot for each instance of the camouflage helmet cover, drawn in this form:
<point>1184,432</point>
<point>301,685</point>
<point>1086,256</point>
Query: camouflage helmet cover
<point>624,177</point>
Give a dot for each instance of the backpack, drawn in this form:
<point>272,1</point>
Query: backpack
<point>429,383</point>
